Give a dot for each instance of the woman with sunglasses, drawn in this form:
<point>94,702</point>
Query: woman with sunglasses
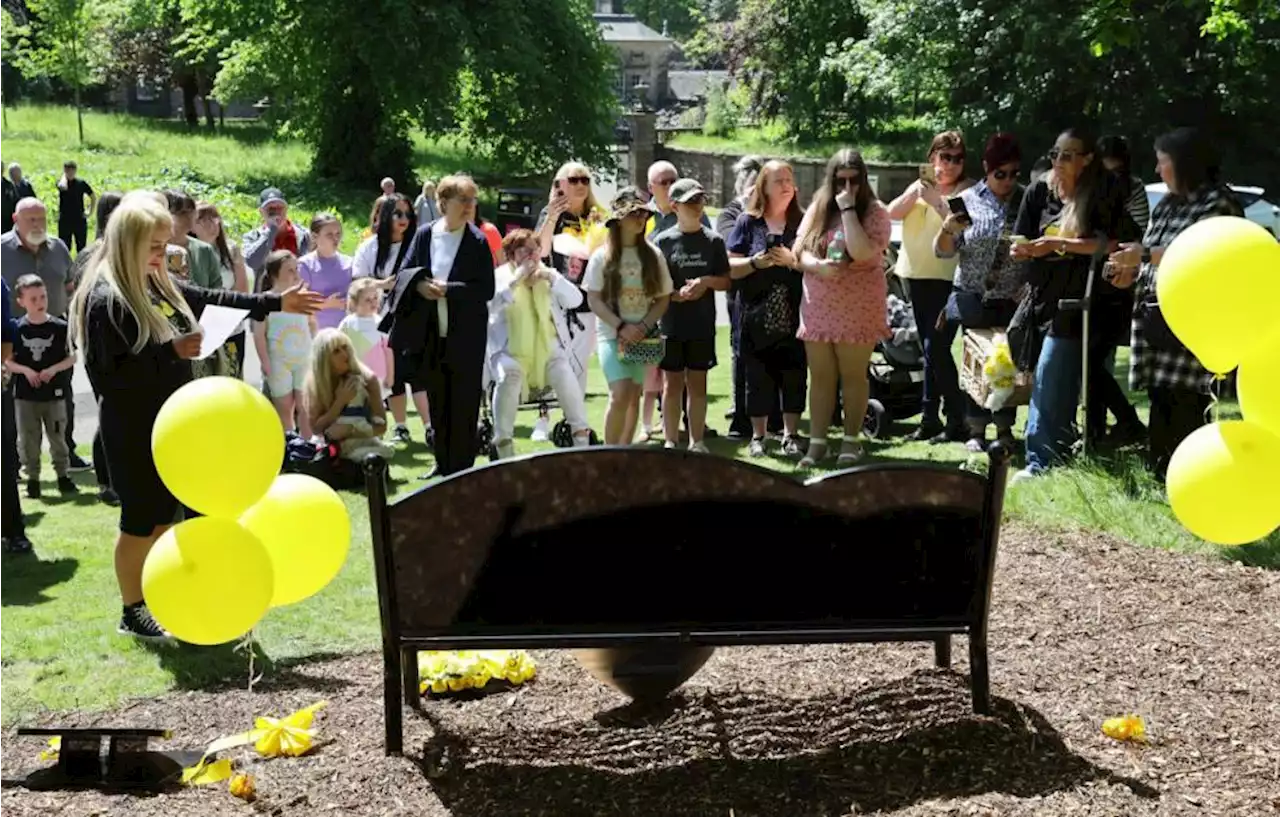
<point>842,315</point>
<point>988,282</point>
<point>928,278</point>
<point>381,257</point>
<point>572,207</point>
<point>1065,215</point>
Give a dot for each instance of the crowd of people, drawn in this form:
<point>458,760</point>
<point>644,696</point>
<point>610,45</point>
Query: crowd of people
<point>436,306</point>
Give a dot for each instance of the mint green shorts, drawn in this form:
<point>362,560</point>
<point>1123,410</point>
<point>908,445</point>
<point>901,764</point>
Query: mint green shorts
<point>614,368</point>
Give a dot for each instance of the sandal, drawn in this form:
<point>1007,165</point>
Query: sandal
<point>850,451</point>
<point>815,454</point>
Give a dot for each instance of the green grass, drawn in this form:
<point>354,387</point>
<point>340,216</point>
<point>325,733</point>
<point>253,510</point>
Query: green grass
<point>771,139</point>
<point>60,651</point>
<point>229,167</point>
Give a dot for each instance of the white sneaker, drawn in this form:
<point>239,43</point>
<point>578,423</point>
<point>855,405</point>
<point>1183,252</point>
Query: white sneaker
<point>699,448</point>
<point>1023,475</point>
<point>670,446</point>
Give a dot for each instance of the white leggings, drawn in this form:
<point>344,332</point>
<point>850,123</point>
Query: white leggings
<point>509,379</point>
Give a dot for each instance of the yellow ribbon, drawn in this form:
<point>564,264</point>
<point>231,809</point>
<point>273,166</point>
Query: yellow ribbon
<point>51,753</point>
<point>289,736</point>
<point>531,332</point>
<point>1126,728</point>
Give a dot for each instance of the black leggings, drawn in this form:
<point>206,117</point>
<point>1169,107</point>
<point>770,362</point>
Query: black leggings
<point>1175,413</point>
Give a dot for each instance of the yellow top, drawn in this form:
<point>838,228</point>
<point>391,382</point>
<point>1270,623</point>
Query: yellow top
<point>917,259</point>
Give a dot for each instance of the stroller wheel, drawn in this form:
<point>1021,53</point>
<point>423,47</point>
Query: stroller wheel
<point>876,422</point>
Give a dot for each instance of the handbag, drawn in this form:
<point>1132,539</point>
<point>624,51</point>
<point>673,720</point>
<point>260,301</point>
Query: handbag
<point>770,321</point>
<point>648,351</point>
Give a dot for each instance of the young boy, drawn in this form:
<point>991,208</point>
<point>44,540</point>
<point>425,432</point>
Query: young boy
<point>699,265</point>
<point>41,367</point>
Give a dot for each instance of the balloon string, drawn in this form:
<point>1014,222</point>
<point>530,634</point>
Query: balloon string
<point>1213,412</point>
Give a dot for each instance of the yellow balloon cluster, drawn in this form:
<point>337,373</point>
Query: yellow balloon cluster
<point>443,671</point>
<point>1218,285</point>
<point>266,539</point>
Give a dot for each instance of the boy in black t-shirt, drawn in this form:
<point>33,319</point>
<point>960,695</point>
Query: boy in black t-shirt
<point>41,367</point>
<point>699,265</point>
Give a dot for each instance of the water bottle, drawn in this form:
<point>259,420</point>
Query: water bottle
<point>836,249</point>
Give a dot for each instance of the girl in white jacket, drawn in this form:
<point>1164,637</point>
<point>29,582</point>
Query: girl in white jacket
<point>529,340</point>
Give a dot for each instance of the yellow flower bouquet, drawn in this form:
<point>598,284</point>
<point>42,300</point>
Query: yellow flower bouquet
<point>442,672</point>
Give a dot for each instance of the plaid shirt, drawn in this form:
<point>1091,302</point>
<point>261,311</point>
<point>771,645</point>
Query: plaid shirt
<point>1150,367</point>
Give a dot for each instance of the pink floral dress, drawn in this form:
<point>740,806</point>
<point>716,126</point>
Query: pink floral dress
<point>849,306</point>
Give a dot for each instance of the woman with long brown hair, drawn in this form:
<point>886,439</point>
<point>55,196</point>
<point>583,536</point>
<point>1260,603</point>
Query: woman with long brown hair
<point>767,280</point>
<point>1065,215</point>
<point>628,287</point>
<point>842,316</point>
<point>922,209</point>
<point>208,228</point>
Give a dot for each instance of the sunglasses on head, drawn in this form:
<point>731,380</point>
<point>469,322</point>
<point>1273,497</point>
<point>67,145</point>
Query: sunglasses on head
<point>1000,174</point>
<point>578,179</point>
<point>952,158</point>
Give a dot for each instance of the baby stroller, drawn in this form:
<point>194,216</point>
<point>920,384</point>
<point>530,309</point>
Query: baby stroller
<point>896,371</point>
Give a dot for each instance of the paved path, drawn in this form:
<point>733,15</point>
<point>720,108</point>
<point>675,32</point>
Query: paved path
<point>87,410</point>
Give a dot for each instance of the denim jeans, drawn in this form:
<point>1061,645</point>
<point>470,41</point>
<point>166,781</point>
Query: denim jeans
<point>1053,402</point>
<point>942,393</point>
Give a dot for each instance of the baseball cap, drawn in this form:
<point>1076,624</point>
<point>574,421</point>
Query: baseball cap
<point>626,203</point>
<point>686,190</point>
<point>271,194</point>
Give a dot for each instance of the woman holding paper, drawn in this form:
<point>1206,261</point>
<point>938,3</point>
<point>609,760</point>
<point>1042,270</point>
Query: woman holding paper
<point>137,327</point>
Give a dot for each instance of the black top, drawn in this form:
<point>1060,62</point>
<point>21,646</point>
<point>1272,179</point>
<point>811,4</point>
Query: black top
<point>750,236</point>
<point>729,216</point>
<point>1055,277</point>
<point>40,346</point>
<point>146,378</point>
<point>564,264</point>
<point>71,201</point>
<point>692,255</point>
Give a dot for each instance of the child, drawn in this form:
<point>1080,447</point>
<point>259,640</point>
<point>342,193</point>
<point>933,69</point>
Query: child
<point>652,392</point>
<point>699,265</point>
<point>344,398</point>
<point>364,298</point>
<point>42,363</point>
<point>283,341</point>
<point>628,287</point>
<point>326,270</point>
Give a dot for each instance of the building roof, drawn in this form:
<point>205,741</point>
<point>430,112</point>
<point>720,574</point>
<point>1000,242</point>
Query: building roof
<point>692,86</point>
<point>625,28</point>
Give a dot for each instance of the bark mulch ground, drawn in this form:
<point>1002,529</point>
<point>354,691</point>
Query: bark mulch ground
<point>1083,629</point>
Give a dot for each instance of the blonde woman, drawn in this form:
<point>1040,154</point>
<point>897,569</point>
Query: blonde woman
<point>137,329</point>
<point>572,208</point>
<point>344,398</point>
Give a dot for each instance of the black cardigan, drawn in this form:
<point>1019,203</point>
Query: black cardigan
<point>412,322</point>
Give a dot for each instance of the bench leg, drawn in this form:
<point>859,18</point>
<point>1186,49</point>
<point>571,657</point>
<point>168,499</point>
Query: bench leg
<point>409,679</point>
<point>392,695</point>
<point>979,679</point>
<point>942,652</point>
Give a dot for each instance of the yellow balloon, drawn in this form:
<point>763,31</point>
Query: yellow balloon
<point>207,580</point>
<point>1258,384</point>
<point>218,443</point>
<point>1221,482</point>
<point>304,526</point>
<point>1218,275</point>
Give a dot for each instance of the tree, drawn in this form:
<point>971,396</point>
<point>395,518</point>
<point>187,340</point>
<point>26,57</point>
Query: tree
<point>64,40</point>
<point>529,83</point>
<point>680,18</point>
<point>13,40</point>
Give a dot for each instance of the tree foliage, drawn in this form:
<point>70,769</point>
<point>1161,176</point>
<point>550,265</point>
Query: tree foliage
<point>531,84</point>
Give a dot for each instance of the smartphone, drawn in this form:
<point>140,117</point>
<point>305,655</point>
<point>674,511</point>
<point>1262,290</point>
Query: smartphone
<point>773,240</point>
<point>559,189</point>
<point>957,206</point>
<point>175,258</point>
<point>927,175</point>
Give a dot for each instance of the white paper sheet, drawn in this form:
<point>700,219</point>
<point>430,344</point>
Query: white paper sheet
<point>218,323</point>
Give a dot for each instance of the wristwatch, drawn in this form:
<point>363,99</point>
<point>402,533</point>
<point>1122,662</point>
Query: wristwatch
<point>1146,255</point>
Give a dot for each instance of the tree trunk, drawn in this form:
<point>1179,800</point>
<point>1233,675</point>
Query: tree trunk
<point>187,82</point>
<point>79,112</point>
<point>360,155</point>
<point>208,113</point>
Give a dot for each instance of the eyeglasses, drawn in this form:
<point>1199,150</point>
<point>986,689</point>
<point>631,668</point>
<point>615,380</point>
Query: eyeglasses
<point>578,179</point>
<point>1064,156</point>
<point>465,201</point>
<point>1001,174</point>
<point>952,158</point>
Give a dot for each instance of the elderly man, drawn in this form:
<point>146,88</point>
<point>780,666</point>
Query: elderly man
<point>661,176</point>
<point>20,183</point>
<point>276,233</point>
<point>28,249</point>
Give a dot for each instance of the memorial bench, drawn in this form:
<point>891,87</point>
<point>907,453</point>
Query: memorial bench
<point>624,547</point>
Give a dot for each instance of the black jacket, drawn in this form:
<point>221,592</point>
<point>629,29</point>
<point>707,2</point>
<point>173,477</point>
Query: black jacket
<point>412,322</point>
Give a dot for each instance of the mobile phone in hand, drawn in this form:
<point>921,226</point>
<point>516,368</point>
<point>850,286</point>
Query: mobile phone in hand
<point>958,207</point>
<point>927,174</point>
<point>772,241</point>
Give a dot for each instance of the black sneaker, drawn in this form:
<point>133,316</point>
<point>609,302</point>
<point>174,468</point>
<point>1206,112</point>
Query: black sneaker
<point>33,489</point>
<point>67,486</point>
<point>137,621</point>
<point>402,434</point>
<point>17,545</point>
<point>108,497</point>
<point>78,463</point>
<point>925,432</point>
<point>955,434</point>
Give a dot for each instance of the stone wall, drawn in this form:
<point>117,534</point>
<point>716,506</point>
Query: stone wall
<point>715,172</point>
